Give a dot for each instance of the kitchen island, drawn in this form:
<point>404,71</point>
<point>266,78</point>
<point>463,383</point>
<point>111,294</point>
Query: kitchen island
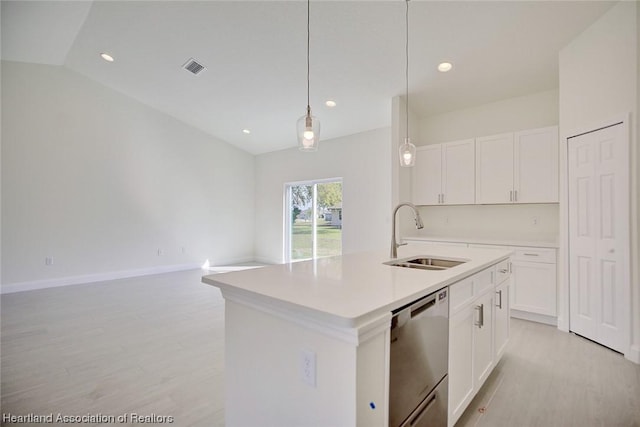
<point>307,343</point>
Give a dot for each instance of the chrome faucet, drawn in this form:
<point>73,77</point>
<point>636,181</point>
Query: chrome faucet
<point>395,245</point>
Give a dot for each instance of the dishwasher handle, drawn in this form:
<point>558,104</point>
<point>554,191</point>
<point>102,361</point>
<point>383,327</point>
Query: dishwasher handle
<point>423,305</point>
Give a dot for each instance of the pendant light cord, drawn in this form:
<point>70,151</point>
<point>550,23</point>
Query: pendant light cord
<point>406,73</point>
<point>308,37</point>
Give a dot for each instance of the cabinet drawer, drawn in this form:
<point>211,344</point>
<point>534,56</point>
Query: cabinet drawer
<point>460,294</point>
<point>483,281</point>
<point>534,254</point>
<point>503,271</point>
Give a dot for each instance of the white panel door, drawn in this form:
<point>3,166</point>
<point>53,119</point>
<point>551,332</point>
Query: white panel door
<point>535,177</point>
<point>599,287</point>
<point>494,169</point>
<point>459,172</point>
<point>427,175</point>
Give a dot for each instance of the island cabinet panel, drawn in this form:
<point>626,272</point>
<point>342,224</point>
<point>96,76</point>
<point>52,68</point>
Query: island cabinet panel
<point>265,352</point>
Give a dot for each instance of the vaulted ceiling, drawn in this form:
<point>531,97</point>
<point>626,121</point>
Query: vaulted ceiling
<point>255,56</point>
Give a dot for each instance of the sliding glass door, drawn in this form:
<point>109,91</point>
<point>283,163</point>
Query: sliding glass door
<point>313,219</point>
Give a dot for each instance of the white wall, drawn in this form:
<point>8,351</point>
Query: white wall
<point>509,115</point>
<point>361,160</point>
<point>514,222</point>
<point>100,182</point>
<point>599,82</point>
<point>528,222</point>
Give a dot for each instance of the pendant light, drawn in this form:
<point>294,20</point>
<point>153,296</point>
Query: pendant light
<point>407,150</point>
<point>308,126</point>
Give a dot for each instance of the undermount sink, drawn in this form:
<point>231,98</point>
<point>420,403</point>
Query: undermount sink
<point>426,263</point>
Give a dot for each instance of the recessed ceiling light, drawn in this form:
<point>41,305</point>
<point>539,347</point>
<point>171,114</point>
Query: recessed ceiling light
<point>247,131</point>
<point>330,103</point>
<point>444,67</point>
<point>106,57</point>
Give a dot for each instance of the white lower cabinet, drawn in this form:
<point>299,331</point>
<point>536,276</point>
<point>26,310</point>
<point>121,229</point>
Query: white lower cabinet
<point>534,277</point>
<point>473,323</point>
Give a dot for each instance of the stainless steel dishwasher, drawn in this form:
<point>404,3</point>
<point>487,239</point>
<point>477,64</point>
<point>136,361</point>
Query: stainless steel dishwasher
<point>418,381</point>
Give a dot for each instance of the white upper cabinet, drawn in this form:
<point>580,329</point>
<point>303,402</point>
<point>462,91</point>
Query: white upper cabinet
<point>444,174</point>
<point>458,172</point>
<point>535,176</point>
<point>518,168</point>
<point>494,169</point>
<point>427,175</point>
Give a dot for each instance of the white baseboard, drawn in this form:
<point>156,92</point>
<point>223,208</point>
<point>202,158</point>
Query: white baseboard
<point>90,278</point>
<point>534,317</point>
<point>633,354</point>
<point>265,260</point>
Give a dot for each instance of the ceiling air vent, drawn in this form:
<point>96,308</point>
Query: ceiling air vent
<point>193,66</point>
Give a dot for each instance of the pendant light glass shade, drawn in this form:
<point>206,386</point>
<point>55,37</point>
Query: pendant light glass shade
<point>308,132</point>
<point>407,154</point>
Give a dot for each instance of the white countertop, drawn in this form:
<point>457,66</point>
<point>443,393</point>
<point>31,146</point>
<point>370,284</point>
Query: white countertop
<point>349,290</point>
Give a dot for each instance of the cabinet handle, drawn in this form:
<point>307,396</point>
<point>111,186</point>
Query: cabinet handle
<point>480,309</point>
<point>515,196</point>
<point>504,271</point>
<point>499,305</point>
<point>510,268</point>
<point>511,196</point>
<point>442,197</point>
<point>531,254</point>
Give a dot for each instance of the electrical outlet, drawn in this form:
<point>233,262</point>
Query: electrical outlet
<point>534,220</point>
<point>308,367</point>
<point>48,260</point>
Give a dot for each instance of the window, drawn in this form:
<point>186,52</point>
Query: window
<point>313,219</point>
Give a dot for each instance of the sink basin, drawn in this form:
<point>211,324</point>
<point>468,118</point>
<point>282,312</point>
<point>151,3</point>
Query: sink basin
<point>426,263</point>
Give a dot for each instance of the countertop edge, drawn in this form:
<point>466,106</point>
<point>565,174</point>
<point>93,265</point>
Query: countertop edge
<point>289,308</point>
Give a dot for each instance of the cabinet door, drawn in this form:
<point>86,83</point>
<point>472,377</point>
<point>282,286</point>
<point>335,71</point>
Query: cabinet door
<point>427,175</point>
<point>483,338</point>
<point>494,169</point>
<point>534,287</point>
<point>458,172</point>
<point>536,166</point>
<point>461,329</point>
<point>501,318</point>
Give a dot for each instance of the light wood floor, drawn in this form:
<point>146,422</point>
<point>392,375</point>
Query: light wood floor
<point>154,345</point>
